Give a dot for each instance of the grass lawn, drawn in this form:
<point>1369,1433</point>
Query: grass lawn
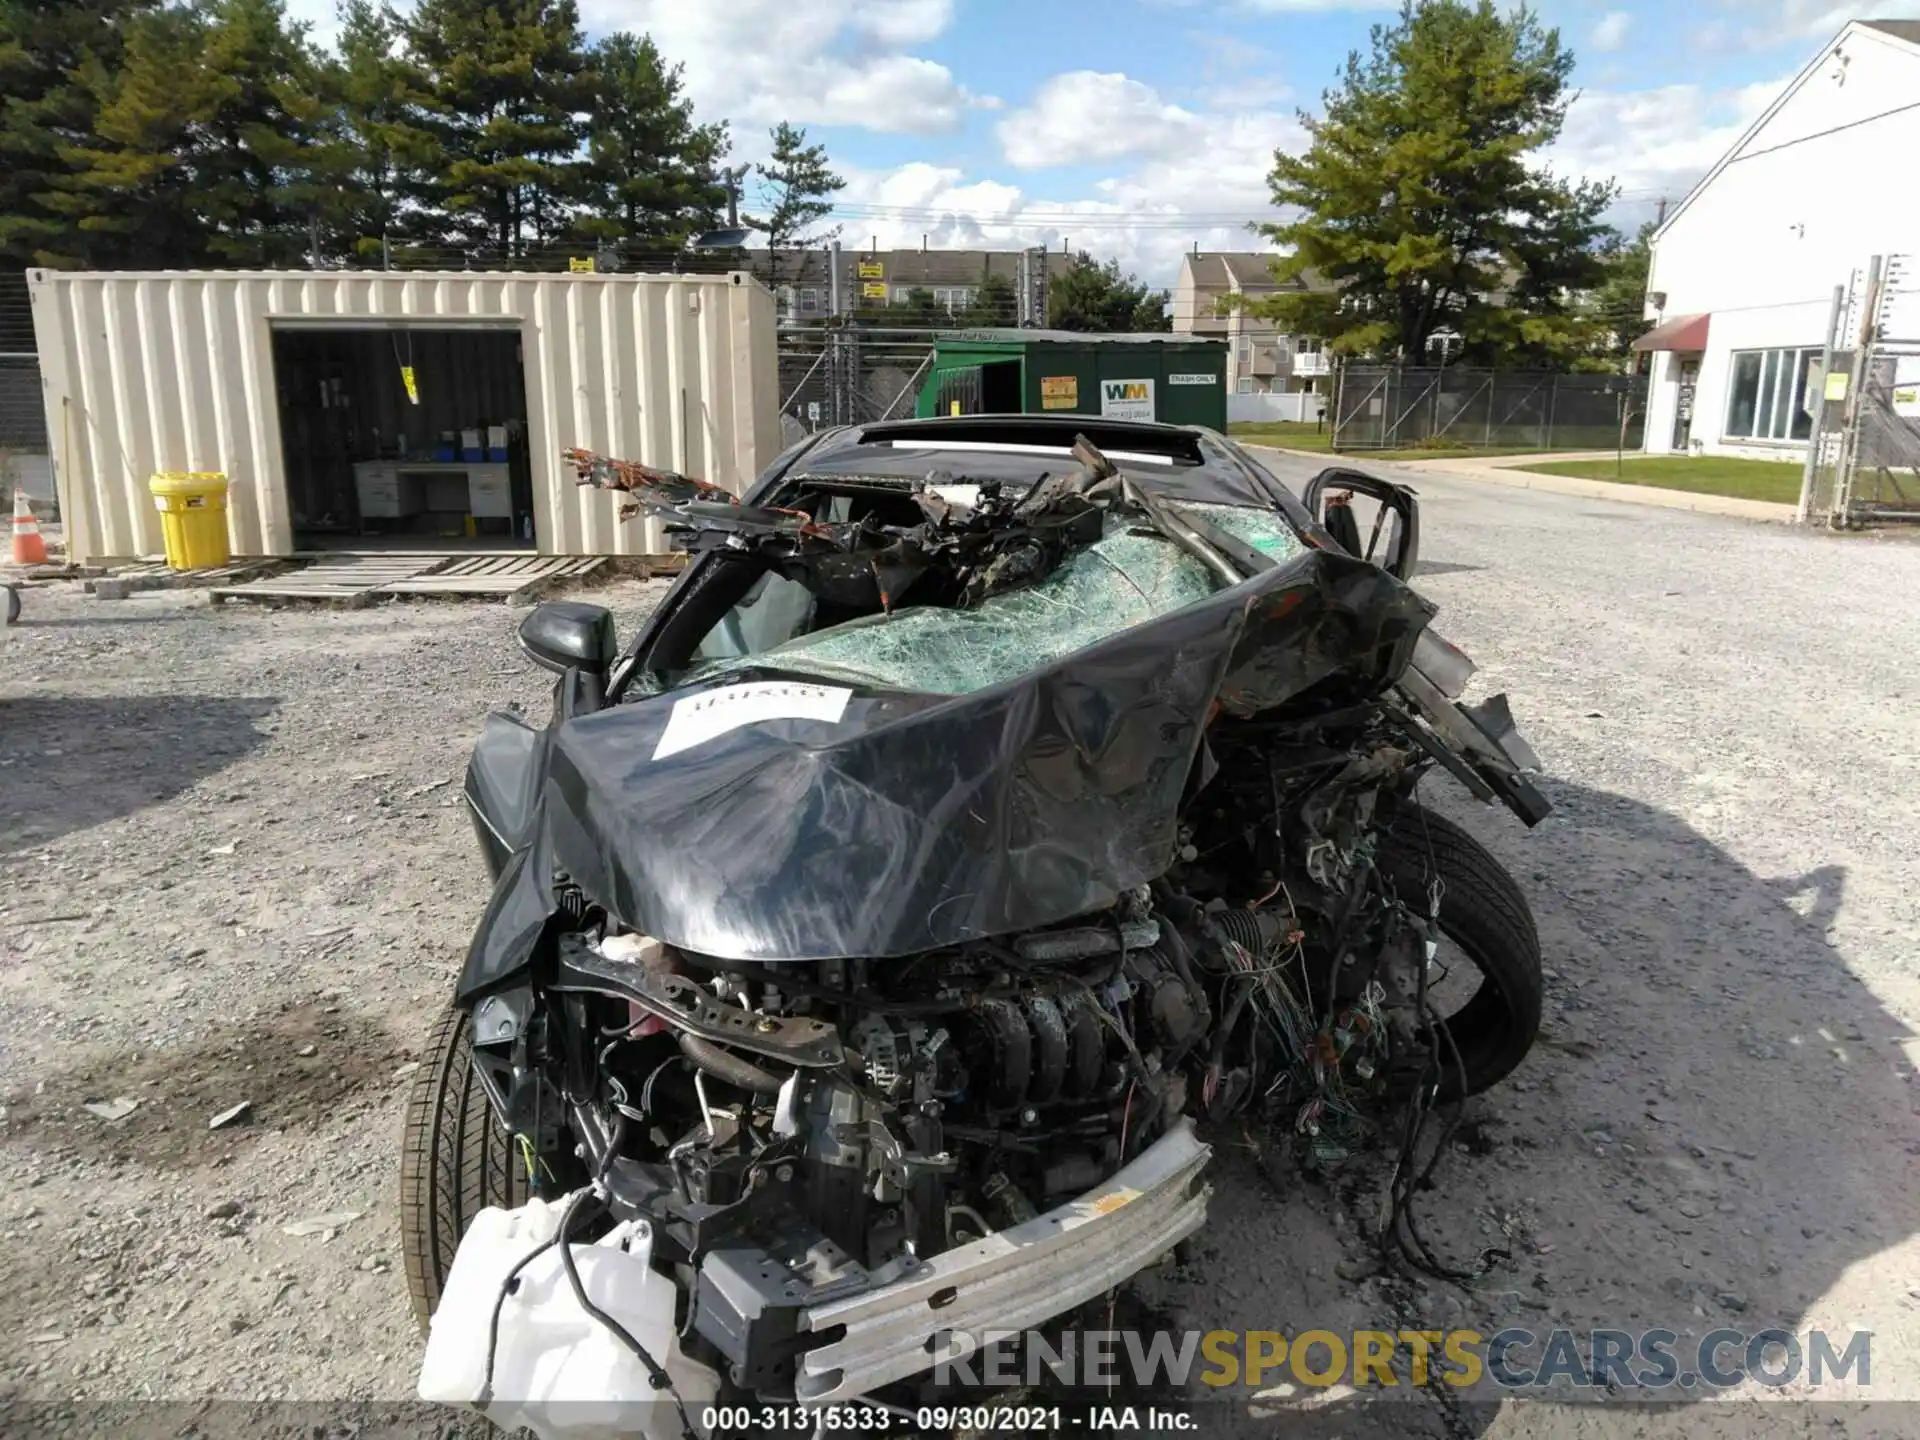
<point>1301,435</point>
<point>1703,474</point>
<point>1287,434</point>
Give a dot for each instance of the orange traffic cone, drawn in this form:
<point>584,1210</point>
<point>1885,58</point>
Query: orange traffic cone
<point>28,547</point>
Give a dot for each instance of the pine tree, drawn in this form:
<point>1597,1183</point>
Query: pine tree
<point>653,173</point>
<point>509,84</point>
<point>797,189</point>
<point>54,57</point>
<point>381,106</point>
<point>1421,197</point>
<point>209,141</point>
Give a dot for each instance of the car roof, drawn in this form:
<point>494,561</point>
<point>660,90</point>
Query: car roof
<point>1176,442</point>
<point>1186,461</point>
<point>1182,446</point>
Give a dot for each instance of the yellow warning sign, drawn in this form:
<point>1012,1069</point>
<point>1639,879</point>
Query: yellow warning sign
<point>872,270</point>
<point>406,379</point>
<point>581,265</point>
<point>1059,392</point>
<point>1837,385</point>
<point>874,292</point>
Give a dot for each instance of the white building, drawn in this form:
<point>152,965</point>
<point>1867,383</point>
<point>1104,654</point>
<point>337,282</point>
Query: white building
<point>1209,303</point>
<point>1743,271</point>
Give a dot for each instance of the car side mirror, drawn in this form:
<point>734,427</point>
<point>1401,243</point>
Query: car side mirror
<point>563,635</point>
<point>578,644</point>
<point>1393,541</point>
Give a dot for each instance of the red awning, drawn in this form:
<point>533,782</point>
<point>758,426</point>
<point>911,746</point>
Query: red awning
<point>1683,332</point>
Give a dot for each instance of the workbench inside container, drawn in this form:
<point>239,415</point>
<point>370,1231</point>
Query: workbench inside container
<point>402,489</point>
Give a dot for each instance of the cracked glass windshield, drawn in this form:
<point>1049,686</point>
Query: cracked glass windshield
<point>1130,575</point>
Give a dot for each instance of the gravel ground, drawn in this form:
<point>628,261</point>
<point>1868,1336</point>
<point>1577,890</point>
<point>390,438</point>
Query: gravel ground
<point>234,869</point>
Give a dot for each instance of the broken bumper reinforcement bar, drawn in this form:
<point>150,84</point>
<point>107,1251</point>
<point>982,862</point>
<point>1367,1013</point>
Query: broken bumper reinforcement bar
<point>1011,1279</point>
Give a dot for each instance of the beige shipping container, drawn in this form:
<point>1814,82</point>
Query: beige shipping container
<point>144,372</point>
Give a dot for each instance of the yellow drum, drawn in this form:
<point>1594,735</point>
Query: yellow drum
<point>193,517</point>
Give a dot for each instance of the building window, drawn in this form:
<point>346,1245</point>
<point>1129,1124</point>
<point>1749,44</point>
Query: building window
<point>1245,386</point>
<point>953,298</point>
<point>1768,392</point>
<point>809,300</point>
<point>1246,351</point>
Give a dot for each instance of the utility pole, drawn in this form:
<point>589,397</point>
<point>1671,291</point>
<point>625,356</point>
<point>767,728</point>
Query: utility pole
<point>1660,212</point>
<point>833,337</point>
<point>733,179</point>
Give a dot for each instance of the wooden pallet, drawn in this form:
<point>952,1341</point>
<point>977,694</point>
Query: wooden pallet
<point>349,580</point>
<point>156,575</point>
<point>516,579</point>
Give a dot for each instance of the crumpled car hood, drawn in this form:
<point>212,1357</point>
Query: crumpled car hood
<point>768,816</point>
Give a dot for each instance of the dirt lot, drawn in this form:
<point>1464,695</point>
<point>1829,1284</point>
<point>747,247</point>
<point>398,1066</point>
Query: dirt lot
<point>233,868</point>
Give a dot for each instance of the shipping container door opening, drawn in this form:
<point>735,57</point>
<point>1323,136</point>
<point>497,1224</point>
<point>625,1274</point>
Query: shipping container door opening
<point>405,434</point>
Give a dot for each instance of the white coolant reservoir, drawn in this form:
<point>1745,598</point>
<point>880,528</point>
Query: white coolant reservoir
<point>556,1369</point>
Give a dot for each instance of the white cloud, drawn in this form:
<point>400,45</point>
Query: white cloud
<point>1235,73</point>
<point>904,22</point>
<point>1656,142</point>
<point>1086,116</point>
<point>814,62</point>
<point>1226,174</point>
<point>1611,33</point>
<point>1146,214</point>
<point>1797,23</point>
<point>1140,223</point>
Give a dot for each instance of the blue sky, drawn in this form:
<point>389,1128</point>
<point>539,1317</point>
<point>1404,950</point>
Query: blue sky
<point>1136,128</point>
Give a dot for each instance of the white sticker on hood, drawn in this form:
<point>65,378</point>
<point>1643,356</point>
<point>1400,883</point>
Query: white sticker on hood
<point>712,713</point>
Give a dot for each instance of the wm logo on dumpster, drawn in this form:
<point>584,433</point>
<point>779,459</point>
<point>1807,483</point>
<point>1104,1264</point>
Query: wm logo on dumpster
<point>1123,390</point>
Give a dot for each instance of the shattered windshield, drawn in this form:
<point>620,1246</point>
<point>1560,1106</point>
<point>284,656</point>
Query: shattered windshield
<point>1127,577</point>
<point>1265,530</point>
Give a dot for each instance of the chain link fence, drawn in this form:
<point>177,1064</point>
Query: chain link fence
<point>1396,407</point>
<point>1863,462</point>
<point>849,374</point>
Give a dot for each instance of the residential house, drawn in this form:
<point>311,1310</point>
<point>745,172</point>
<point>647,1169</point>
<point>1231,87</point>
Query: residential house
<point>1209,302</point>
<point>1743,271</point>
<point>804,283</point>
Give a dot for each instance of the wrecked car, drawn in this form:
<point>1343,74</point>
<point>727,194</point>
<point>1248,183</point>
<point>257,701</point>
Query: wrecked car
<point>994,807</point>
